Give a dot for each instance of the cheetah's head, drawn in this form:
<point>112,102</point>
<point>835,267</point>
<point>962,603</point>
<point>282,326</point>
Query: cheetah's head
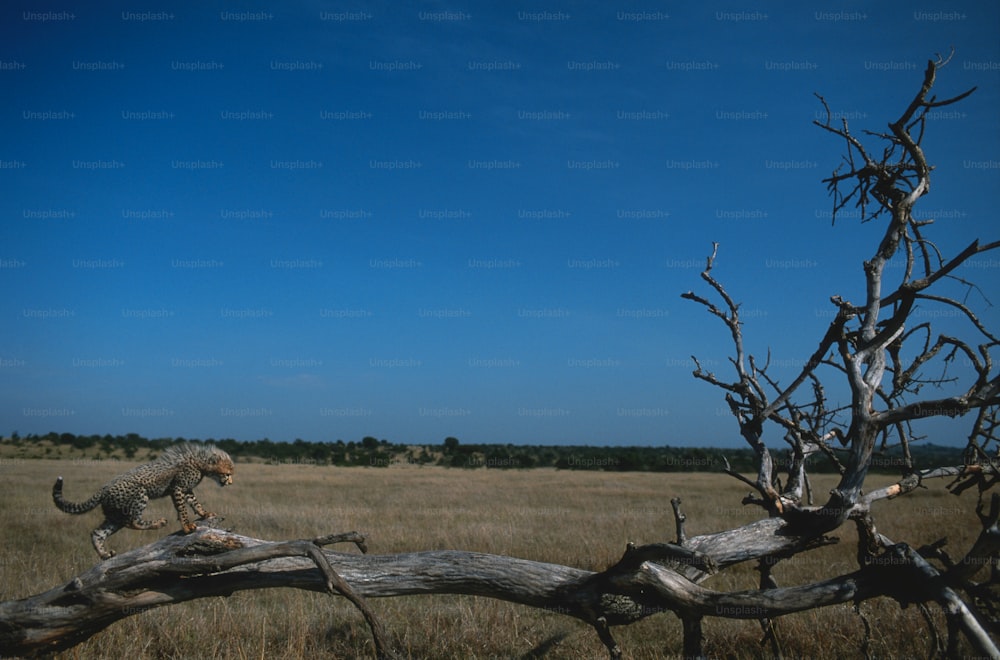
<point>221,467</point>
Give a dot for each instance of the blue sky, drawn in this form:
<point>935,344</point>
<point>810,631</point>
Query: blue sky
<point>332,220</point>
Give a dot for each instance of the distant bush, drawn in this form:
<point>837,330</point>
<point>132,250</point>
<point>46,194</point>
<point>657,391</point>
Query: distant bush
<point>371,452</point>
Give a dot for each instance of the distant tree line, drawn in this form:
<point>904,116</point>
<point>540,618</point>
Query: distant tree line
<point>372,452</point>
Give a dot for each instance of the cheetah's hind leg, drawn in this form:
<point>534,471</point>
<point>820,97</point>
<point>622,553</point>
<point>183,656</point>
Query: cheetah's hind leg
<point>132,516</point>
<point>99,535</point>
<point>140,524</point>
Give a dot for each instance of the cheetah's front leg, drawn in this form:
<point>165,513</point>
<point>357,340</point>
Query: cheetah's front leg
<point>179,498</point>
<point>198,508</point>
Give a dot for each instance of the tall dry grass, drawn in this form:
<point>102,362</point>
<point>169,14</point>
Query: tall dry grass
<point>581,519</point>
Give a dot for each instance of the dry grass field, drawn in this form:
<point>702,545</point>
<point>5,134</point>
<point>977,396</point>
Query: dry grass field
<point>581,519</point>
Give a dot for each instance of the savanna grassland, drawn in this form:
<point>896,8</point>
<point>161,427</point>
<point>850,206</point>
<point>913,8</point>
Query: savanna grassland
<point>581,519</point>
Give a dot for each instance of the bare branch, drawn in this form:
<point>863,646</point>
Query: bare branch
<point>987,395</point>
<point>965,310</point>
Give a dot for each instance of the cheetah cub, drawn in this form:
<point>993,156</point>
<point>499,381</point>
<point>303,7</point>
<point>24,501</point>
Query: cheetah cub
<point>175,473</point>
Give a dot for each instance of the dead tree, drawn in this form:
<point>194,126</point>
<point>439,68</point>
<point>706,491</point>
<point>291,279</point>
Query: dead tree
<point>868,344</point>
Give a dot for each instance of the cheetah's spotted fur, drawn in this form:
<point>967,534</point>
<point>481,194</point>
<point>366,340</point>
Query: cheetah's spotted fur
<point>175,473</point>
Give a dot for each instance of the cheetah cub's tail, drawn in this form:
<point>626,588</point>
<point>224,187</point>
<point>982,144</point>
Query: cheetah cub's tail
<point>70,507</point>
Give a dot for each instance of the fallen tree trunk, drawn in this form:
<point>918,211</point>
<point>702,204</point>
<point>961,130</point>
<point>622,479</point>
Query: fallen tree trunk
<point>213,562</point>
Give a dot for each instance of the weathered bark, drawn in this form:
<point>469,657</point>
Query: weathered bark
<point>212,562</point>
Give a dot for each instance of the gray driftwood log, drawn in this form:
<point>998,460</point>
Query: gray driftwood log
<point>647,580</point>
